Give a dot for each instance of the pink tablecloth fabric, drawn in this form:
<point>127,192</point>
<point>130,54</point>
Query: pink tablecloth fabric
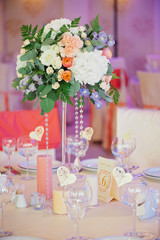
<point>19,123</point>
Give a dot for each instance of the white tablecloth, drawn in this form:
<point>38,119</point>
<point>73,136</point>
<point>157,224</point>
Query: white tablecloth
<point>114,218</point>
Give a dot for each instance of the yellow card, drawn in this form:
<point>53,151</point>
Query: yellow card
<point>107,186</point>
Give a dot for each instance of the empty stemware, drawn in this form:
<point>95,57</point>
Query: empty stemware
<point>7,193</point>
<point>122,150</point>
<point>27,147</point>
<point>133,194</point>
<point>9,145</point>
<point>77,197</point>
<point>155,203</point>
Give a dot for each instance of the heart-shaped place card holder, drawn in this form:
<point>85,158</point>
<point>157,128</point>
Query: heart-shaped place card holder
<point>121,177</point>
<point>37,133</point>
<point>87,133</point>
<point>65,177</point>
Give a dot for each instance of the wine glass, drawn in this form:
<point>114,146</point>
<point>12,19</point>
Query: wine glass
<point>77,197</point>
<point>27,147</point>
<point>135,194</point>
<point>155,203</point>
<point>77,146</point>
<point>9,145</point>
<point>122,150</point>
<point>7,193</point>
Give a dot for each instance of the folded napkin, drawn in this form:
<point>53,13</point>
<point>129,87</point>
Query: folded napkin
<point>145,211</point>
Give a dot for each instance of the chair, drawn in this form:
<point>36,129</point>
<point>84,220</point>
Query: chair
<point>143,124</point>
<point>149,86</point>
<point>19,123</point>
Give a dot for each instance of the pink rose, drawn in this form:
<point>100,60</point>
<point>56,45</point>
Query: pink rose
<point>107,52</point>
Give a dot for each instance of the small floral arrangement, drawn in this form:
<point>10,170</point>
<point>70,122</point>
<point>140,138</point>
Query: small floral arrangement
<point>63,59</point>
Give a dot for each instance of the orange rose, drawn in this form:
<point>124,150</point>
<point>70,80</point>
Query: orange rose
<point>67,61</point>
<point>66,76</point>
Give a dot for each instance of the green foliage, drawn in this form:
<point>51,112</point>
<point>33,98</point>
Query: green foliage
<point>48,35</point>
<point>110,70</point>
<point>16,82</point>
<point>95,24</point>
<point>24,70</point>
<point>28,55</point>
<point>48,41</point>
<point>115,93</point>
<point>39,35</point>
<point>27,32</point>
<point>31,96</point>
<point>96,43</point>
<point>75,22</point>
<point>74,88</point>
<point>47,104</point>
<point>64,29</point>
<point>89,48</point>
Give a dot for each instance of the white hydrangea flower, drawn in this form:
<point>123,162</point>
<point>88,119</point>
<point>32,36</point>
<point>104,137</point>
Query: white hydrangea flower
<point>20,64</point>
<point>55,25</point>
<point>89,67</point>
<point>54,48</point>
<point>49,57</point>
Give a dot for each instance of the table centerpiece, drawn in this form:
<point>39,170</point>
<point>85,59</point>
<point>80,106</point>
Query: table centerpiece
<point>63,61</point>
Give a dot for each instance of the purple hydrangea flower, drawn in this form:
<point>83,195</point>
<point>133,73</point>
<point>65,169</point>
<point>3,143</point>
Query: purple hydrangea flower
<point>84,92</point>
<point>102,36</point>
<point>98,104</point>
<point>32,87</point>
<point>95,35</point>
<point>110,41</point>
<point>95,96</point>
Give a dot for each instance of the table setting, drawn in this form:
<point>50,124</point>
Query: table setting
<point>43,198</point>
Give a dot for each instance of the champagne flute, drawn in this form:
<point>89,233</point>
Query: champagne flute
<point>9,145</point>
<point>27,147</point>
<point>122,150</point>
<point>7,193</point>
<point>77,197</point>
<point>133,194</point>
<point>155,203</point>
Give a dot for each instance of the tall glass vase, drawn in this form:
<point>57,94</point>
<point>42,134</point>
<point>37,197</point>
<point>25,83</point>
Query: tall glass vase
<point>64,113</point>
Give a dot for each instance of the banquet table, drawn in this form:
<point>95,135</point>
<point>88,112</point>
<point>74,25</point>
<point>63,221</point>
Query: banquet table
<point>105,219</point>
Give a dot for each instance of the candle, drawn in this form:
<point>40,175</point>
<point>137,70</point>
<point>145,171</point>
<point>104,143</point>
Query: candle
<point>44,175</point>
<point>93,182</point>
<point>59,206</point>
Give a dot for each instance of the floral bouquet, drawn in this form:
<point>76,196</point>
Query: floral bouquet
<point>63,59</point>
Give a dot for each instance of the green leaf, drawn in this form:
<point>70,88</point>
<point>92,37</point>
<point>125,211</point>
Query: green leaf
<point>37,45</point>
<point>105,96</point>
<point>90,48</point>
<point>47,105</point>
<point>96,43</point>
<point>52,95</point>
<point>75,22</point>
<point>110,70</point>
<point>30,65</point>
<point>46,90</point>
<point>64,29</point>
<point>31,96</point>
<point>34,30</point>
<point>39,35</point>
<point>48,35</point>
<point>16,82</point>
<point>48,41</point>
<point>114,76</point>
<point>87,26</point>
<point>74,88</point>
<point>29,55</point>
<point>95,24</point>
<point>89,30</point>
<point>24,70</point>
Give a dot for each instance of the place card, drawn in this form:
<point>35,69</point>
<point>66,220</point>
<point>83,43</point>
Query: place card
<point>107,185</point>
